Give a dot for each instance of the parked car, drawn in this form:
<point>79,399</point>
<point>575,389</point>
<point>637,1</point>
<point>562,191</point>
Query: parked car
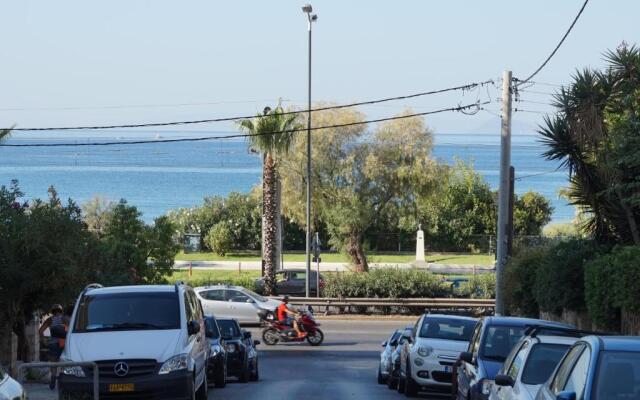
<point>236,302</point>
<point>148,341</point>
<point>428,355</point>
<point>388,346</point>
<point>252,349</point>
<point>530,364</point>
<point>293,282</point>
<point>492,341</point>
<point>242,359</point>
<point>217,358</point>
<point>9,388</point>
<point>394,365</point>
<point>596,368</point>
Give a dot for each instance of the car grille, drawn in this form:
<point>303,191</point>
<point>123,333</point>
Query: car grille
<point>440,376</point>
<point>136,368</point>
<point>128,396</point>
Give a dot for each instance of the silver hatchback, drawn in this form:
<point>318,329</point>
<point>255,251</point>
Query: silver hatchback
<point>224,301</point>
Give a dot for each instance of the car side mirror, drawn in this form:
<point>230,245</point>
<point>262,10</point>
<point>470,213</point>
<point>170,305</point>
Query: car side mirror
<point>566,396</point>
<point>393,343</point>
<point>466,357</point>
<point>256,342</point>
<point>193,327</point>
<point>384,344</point>
<point>504,380</point>
<point>246,335</point>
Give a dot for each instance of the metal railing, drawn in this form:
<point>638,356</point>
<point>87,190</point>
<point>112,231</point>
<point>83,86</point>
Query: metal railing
<point>91,364</point>
<point>434,303</point>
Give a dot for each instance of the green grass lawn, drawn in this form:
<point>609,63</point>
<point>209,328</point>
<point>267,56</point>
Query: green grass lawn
<point>445,258</point>
<point>213,276</point>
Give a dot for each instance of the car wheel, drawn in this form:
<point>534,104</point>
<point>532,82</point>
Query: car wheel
<point>381,380</point>
<point>255,375</point>
<point>400,386</point>
<point>410,386</point>
<point>221,377</point>
<point>193,388</point>
<point>245,374</point>
<point>202,392</point>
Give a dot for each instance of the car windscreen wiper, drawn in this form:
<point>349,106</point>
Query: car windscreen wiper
<point>494,358</point>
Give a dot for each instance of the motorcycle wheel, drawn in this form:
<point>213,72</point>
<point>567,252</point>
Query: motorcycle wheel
<point>270,337</point>
<point>316,338</point>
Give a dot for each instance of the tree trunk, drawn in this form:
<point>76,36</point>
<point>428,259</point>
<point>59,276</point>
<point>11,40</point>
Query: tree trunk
<point>633,227</point>
<point>269,226</point>
<point>356,252</point>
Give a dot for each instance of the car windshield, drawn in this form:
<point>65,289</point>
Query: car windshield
<point>228,328</point>
<point>541,362</point>
<point>447,328</point>
<point>499,340</point>
<point>255,295</point>
<point>128,311</point>
<point>396,335</point>
<point>212,327</point>
<point>618,376</point>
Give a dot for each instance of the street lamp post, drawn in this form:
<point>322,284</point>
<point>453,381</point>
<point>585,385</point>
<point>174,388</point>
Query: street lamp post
<point>307,9</point>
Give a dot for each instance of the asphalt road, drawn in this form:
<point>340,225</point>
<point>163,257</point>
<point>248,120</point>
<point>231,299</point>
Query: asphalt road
<point>344,367</point>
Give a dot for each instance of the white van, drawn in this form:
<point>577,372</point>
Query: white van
<point>148,342</point>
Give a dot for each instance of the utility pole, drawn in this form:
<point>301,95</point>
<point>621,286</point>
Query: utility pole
<point>512,181</point>
<point>503,202</point>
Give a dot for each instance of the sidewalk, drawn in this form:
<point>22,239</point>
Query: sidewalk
<point>334,267</point>
<point>40,392</point>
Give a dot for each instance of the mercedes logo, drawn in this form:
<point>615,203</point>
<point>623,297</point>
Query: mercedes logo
<point>121,369</point>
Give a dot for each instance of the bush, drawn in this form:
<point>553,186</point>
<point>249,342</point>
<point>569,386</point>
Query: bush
<point>560,279</point>
<point>220,239</point>
<point>385,283</point>
<point>478,287</point>
<point>600,276</point>
<point>520,280</point>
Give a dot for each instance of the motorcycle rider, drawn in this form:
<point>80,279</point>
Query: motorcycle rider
<point>288,316</point>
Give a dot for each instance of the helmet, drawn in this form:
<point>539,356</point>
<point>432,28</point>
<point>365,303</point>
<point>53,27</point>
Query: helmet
<point>56,308</point>
<point>285,298</point>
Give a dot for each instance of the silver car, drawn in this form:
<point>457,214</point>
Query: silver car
<point>9,388</point>
<point>388,346</point>
<point>226,301</point>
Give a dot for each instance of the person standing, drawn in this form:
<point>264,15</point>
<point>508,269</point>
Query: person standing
<point>57,329</point>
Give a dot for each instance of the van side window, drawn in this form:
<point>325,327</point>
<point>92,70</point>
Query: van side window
<point>188,308</point>
<point>518,362</point>
<point>578,377</point>
<point>197,306</point>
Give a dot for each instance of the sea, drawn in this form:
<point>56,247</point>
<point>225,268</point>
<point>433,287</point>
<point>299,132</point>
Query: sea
<point>158,177</point>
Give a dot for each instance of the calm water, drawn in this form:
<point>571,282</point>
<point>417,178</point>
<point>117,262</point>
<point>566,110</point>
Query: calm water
<point>160,177</point>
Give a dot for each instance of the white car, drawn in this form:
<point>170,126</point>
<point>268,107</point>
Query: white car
<point>9,388</point>
<point>224,301</point>
<point>431,351</point>
<point>529,365</point>
<point>148,342</point>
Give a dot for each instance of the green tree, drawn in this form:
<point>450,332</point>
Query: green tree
<point>531,212</point>
<point>272,136</point>
<point>220,238</point>
<point>595,135</point>
<point>95,214</point>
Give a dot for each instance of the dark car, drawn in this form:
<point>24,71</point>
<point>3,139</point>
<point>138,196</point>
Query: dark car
<point>492,341</point>
<point>388,346</point>
<point>217,358</point>
<point>293,282</point>
<point>596,368</point>
<point>241,354</point>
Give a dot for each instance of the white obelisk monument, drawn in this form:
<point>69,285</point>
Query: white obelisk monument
<point>420,245</point>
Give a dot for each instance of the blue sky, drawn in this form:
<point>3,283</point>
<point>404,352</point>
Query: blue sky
<point>246,54</point>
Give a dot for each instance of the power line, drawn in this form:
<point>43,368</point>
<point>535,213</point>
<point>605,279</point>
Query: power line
<point>521,82</point>
<point>477,106</point>
<point>538,174</point>
<point>228,119</point>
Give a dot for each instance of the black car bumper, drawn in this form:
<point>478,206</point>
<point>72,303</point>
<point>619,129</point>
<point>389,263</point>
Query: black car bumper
<point>175,385</point>
<point>235,364</point>
<point>215,366</point>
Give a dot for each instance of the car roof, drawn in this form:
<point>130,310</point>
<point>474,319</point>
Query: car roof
<point>218,286</point>
<point>617,343</point>
<point>518,321</point>
<point>132,289</point>
<point>550,339</point>
<point>459,317</point>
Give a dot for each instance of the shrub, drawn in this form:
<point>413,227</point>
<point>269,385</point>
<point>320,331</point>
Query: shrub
<point>220,238</point>
<point>520,280</point>
<point>560,279</point>
<point>385,283</point>
<point>600,276</point>
<point>478,287</point>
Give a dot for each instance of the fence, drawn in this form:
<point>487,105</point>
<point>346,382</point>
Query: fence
<point>96,371</point>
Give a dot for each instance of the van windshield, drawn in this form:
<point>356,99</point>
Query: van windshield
<point>128,312</point>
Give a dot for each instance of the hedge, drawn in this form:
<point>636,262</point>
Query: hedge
<point>520,281</point>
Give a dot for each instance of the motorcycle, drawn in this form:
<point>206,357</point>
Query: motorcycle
<point>275,331</point>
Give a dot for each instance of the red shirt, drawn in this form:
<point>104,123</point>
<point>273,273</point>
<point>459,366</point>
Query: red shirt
<point>281,312</point>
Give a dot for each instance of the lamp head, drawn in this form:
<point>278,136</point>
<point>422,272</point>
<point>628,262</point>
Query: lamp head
<point>314,17</point>
<point>307,8</point>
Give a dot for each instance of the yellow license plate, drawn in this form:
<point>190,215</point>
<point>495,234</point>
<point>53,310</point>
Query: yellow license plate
<point>121,387</point>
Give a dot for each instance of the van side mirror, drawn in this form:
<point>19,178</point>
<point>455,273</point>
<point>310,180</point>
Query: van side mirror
<point>466,357</point>
<point>566,396</point>
<point>193,327</point>
<point>504,380</point>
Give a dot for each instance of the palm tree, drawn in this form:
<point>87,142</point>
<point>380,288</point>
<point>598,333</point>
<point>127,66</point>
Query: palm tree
<point>4,133</point>
<point>272,135</point>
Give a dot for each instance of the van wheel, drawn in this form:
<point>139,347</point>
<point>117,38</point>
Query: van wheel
<point>202,392</point>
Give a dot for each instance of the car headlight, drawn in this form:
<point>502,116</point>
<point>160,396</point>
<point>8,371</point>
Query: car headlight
<point>231,348</point>
<point>487,384</point>
<point>418,361</point>
<point>425,351</point>
<point>76,371</point>
<point>176,363</point>
<point>215,350</point>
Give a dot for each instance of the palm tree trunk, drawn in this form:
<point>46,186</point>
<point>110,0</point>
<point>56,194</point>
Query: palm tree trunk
<point>269,227</point>
<point>631,221</point>
<point>356,252</point>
